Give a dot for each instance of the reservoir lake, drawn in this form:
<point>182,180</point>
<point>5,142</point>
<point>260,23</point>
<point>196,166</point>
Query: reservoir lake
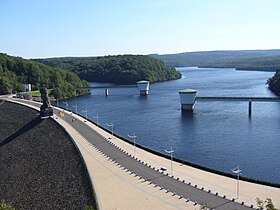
<point>218,135</point>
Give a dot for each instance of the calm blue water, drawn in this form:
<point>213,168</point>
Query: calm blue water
<point>218,135</point>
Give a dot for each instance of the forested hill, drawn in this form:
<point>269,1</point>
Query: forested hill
<point>267,60</point>
<point>123,69</point>
<point>262,60</point>
<point>15,71</point>
<point>274,83</point>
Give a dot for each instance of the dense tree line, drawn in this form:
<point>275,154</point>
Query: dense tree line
<point>263,60</point>
<point>123,69</point>
<point>15,71</point>
<point>274,83</point>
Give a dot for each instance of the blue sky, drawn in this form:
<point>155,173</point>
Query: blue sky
<point>52,28</point>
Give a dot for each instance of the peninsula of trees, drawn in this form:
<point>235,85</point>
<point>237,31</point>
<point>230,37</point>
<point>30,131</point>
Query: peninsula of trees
<point>122,69</point>
<point>15,71</point>
<point>274,82</point>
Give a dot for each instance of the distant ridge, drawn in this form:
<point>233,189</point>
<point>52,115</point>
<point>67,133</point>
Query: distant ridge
<point>261,60</point>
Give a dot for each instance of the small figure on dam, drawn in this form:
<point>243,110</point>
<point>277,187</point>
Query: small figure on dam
<point>45,109</point>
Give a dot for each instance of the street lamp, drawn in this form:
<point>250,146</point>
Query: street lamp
<point>86,111</point>
<point>112,128</point>
<point>133,137</point>
<point>96,117</point>
<point>76,108</point>
<point>171,157</point>
<point>237,171</point>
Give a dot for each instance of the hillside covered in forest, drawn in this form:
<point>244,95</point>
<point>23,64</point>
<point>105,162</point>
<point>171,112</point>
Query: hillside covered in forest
<point>122,69</point>
<point>261,60</point>
<point>15,71</point>
<point>274,82</point>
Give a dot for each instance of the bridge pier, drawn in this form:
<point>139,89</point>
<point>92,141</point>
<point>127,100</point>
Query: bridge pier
<point>246,99</point>
<point>250,108</point>
<point>106,92</point>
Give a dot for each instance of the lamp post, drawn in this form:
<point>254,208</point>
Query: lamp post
<point>133,137</point>
<point>171,157</point>
<point>76,108</point>
<point>86,111</point>
<point>96,117</point>
<point>237,171</point>
<point>57,103</point>
<point>112,128</point>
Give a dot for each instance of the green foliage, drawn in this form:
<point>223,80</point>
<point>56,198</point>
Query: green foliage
<point>268,60</point>
<point>5,206</point>
<point>265,205</point>
<point>274,83</point>
<point>15,71</point>
<point>87,207</point>
<point>122,69</point>
<point>36,93</point>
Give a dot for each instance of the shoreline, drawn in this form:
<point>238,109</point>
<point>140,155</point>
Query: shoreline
<point>236,69</point>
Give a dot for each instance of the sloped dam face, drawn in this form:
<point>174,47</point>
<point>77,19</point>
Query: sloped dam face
<point>40,167</point>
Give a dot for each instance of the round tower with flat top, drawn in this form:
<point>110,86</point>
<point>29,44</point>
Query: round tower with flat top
<point>187,97</point>
<point>143,87</point>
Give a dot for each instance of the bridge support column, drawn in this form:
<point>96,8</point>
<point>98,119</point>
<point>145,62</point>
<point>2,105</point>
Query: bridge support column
<point>106,92</point>
<point>250,108</point>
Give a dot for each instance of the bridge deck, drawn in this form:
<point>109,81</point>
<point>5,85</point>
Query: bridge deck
<point>108,86</point>
<point>237,98</point>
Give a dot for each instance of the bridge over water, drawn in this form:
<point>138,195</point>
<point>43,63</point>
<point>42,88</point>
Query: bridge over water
<point>238,98</point>
<point>188,97</point>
